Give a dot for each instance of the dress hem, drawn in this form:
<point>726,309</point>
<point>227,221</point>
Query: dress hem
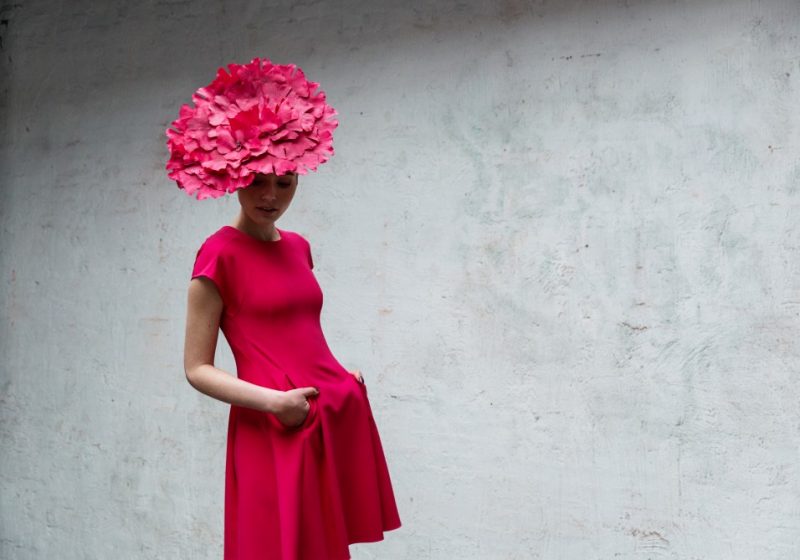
<point>377,538</point>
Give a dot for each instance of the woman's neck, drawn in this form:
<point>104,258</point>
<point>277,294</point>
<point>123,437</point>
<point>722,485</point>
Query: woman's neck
<point>265,233</point>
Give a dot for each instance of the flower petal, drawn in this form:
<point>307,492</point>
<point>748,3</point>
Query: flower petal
<point>258,117</point>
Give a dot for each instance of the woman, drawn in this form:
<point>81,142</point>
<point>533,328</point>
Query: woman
<point>305,471</point>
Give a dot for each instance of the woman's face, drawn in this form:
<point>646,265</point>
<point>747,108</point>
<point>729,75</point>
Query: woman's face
<point>268,197</point>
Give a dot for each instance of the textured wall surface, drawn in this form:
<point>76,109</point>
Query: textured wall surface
<point>559,238</point>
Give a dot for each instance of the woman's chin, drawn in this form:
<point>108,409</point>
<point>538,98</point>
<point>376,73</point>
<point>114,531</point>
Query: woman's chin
<point>262,217</point>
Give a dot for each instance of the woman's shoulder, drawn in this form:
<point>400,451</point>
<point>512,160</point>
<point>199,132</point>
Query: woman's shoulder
<point>221,235</point>
<point>294,235</point>
<point>218,243</point>
<point>300,244</point>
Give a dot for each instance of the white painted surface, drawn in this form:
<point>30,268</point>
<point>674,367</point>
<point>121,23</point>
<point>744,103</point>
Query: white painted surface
<point>560,240</point>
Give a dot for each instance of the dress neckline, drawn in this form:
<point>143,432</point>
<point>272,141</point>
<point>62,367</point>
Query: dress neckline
<point>256,239</point>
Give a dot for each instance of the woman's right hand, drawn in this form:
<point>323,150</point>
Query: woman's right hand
<point>294,406</point>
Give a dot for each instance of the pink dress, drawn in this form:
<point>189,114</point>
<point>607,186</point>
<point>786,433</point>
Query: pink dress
<point>292,493</point>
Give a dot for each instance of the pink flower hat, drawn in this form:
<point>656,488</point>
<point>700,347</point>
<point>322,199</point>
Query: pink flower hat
<point>256,118</point>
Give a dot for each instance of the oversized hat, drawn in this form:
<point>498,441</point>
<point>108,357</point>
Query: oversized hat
<point>256,118</point>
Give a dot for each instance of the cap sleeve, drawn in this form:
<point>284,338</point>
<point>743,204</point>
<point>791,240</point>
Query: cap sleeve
<point>307,247</point>
<point>209,263</point>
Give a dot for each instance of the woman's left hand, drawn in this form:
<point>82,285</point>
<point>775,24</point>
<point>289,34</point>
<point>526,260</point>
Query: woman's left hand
<point>357,374</point>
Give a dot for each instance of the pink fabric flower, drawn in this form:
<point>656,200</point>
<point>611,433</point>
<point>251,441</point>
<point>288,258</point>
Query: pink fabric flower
<point>256,118</point>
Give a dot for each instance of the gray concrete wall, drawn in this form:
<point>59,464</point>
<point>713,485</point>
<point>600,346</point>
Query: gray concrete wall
<point>559,238</point>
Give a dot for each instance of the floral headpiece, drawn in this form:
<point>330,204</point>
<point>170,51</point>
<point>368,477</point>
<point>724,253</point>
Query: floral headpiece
<point>258,118</point>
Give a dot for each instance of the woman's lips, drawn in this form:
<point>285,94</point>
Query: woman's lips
<point>265,209</point>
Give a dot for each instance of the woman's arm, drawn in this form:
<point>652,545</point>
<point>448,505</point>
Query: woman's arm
<point>202,328</point>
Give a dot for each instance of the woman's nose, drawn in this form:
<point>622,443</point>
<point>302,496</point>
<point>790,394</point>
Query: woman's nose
<point>269,191</point>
